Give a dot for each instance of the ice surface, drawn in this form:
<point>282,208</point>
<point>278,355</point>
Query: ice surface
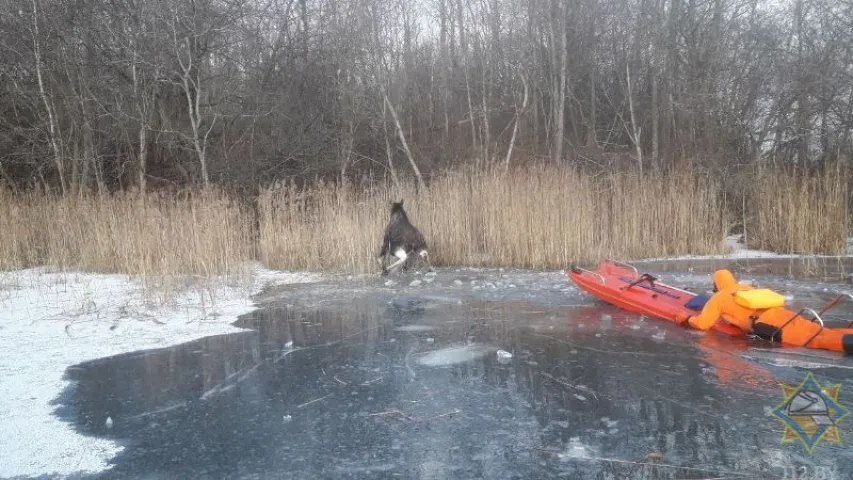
<point>414,328</point>
<point>453,355</point>
<point>52,320</point>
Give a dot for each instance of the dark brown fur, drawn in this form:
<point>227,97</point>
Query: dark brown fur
<point>401,234</point>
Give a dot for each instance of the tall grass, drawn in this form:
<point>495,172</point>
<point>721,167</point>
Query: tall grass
<point>202,234</point>
<point>798,212</point>
<point>534,217</point>
<point>538,217</point>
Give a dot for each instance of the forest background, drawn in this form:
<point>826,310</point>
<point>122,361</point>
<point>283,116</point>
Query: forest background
<point>175,136</point>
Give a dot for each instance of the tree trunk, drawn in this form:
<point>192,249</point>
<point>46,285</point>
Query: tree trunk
<point>403,141</point>
<point>191,84</point>
<point>143,109</point>
<point>591,140</point>
<point>803,115</point>
<point>53,128</point>
<point>444,66</point>
<point>485,122</point>
<point>388,151</point>
<point>635,131</point>
<point>143,155</point>
<point>560,120</point>
<point>655,120</point>
<point>470,106</point>
<point>518,112</point>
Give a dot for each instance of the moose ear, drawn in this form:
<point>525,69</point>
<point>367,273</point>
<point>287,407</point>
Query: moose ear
<point>401,202</point>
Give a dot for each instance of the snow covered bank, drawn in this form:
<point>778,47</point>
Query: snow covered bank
<point>51,320</point>
<point>736,250</point>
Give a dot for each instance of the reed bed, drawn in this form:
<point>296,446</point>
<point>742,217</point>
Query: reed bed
<point>798,212</point>
<point>537,217</point>
<point>201,234</point>
<point>533,217</point>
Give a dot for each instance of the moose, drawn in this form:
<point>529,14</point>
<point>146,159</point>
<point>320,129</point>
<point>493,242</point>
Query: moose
<point>400,240</point>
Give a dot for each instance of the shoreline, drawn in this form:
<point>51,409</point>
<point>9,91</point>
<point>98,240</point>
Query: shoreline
<point>53,320</point>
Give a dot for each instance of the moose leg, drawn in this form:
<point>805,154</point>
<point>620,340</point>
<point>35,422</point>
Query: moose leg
<point>425,256</point>
<point>401,257</point>
<point>383,255</point>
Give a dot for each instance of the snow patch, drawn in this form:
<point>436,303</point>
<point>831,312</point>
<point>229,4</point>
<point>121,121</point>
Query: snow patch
<point>504,356</point>
<point>414,328</point>
<point>453,355</point>
<point>52,320</point>
<point>736,249</point>
<point>576,449</point>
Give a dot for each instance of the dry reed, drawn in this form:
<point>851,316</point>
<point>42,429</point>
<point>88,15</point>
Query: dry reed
<point>535,217</point>
<point>538,217</point>
<point>202,234</point>
<point>796,212</point>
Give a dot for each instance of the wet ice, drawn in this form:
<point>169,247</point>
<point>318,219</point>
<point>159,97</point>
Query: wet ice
<point>453,355</point>
<point>414,328</point>
<point>389,381</point>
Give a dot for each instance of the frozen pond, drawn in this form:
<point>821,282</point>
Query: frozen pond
<point>401,377</point>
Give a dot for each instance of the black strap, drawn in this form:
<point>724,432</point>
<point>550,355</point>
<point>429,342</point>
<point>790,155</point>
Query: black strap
<point>644,277</point>
<point>766,331</point>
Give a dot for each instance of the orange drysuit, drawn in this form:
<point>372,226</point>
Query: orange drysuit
<point>722,304</point>
<point>766,322</point>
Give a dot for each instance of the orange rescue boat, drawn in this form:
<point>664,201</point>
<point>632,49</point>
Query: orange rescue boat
<point>623,286</point>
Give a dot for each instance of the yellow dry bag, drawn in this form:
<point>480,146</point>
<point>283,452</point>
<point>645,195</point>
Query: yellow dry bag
<point>759,299</point>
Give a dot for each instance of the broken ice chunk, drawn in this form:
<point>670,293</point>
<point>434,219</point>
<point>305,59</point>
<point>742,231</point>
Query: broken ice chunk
<point>504,356</point>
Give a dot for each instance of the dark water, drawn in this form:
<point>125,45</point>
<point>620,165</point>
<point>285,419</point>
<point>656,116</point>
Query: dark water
<point>367,380</point>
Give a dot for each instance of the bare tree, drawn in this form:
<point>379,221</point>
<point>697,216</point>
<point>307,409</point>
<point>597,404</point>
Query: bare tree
<point>145,93</point>
<point>52,121</point>
<point>187,49</point>
<point>518,112</point>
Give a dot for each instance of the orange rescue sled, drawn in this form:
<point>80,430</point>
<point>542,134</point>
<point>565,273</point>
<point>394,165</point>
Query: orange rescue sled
<point>623,286</point>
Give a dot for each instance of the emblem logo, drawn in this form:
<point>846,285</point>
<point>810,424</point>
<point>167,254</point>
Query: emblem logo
<point>811,413</point>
